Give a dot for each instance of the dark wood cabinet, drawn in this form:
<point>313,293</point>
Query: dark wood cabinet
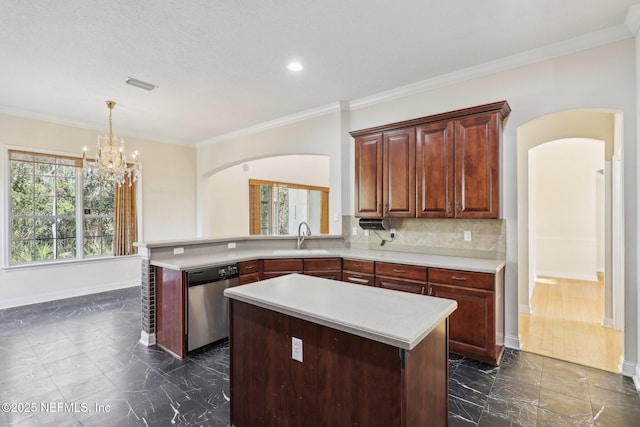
<point>477,159</point>
<point>358,272</point>
<point>400,277</point>
<point>368,176</point>
<point>435,170</point>
<point>170,311</point>
<point>477,326</point>
<point>249,272</point>
<point>399,174</point>
<point>441,166</point>
<point>328,268</point>
<point>280,267</point>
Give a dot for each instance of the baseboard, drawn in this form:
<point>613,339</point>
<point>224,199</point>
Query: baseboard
<point>524,309</point>
<point>636,377</point>
<point>147,339</point>
<point>607,322</point>
<point>511,341</point>
<point>66,293</point>
<point>629,369</point>
<point>566,275</point>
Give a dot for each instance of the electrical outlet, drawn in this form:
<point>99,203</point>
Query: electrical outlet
<point>178,251</point>
<point>366,233</point>
<point>296,349</point>
<point>467,236</point>
<point>231,245</point>
<point>336,217</point>
<point>354,231</point>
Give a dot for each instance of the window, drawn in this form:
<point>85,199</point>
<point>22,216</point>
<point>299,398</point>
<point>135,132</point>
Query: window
<point>277,208</point>
<point>57,211</point>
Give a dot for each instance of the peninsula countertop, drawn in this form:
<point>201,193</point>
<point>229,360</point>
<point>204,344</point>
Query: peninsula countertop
<point>187,262</point>
<point>395,318</point>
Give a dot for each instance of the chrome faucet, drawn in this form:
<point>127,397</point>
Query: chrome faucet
<point>300,235</point>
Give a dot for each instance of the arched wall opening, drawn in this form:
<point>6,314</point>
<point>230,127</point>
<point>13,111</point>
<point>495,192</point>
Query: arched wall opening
<point>595,125</point>
<point>225,192</point>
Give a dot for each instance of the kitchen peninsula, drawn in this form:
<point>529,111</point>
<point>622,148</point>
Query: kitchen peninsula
<point>476,329</point>
<point>306,348</point>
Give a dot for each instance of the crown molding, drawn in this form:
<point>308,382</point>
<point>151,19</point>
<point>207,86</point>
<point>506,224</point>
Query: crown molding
<point>334,107</point>
<point>27,114</point>
<point>633,19</point>
<point>587,41</point>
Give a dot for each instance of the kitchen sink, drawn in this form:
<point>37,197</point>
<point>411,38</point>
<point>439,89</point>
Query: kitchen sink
<point>294,252</point>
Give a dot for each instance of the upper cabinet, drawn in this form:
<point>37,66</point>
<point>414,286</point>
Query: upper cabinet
<point>441,166</point>
<point>369,176</point>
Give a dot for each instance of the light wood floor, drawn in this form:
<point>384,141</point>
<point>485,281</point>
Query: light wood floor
<point>566,324</point>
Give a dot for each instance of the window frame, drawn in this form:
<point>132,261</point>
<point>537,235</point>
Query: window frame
<point>5,208</point>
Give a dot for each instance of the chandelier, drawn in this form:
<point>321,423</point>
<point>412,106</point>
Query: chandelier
<point>111,158</point>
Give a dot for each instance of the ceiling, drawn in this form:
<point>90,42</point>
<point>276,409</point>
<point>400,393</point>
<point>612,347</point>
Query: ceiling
<point>220,66</point>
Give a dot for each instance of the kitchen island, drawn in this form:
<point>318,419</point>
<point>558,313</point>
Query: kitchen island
<point>311,351</point>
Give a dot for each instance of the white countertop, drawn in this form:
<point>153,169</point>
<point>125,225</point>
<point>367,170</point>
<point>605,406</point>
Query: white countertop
<point>399,319</point>
<point>188,262</point>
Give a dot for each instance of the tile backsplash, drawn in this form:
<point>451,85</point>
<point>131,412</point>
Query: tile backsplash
<point>434,236</point>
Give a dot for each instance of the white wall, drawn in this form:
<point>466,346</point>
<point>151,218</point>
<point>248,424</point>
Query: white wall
<point>565,211</point>
<point>226,193</point>
<point>168,211</point>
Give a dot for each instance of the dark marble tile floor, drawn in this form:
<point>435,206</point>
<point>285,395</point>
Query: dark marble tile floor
<point>78,362</point>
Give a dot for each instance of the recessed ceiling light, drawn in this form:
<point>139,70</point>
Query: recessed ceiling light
<point>294,66</point>
<point>139,83</point>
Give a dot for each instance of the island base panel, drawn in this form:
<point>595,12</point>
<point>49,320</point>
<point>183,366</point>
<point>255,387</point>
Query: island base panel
<point>344,379</point>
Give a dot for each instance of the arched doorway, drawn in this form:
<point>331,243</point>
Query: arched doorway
<point>590,124</point>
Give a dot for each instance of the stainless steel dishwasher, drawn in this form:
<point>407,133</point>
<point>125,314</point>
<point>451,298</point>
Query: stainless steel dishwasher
<point>207,308</point>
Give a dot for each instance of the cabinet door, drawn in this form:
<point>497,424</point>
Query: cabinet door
<point>368,190</point>
<point>435,170</point>
<point>399,175</point>
<point>477,145</point>
<point>471,326</point>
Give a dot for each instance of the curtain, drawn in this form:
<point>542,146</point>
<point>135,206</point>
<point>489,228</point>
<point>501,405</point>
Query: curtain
<point>126,224</point>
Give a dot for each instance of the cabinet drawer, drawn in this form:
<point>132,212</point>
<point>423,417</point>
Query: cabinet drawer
<point>357,266</point>
<point>291,265</point>
<point>358,278</point>
<point>412,286</point>
<point>249,278</point>
<point>248,267</point>
<point>325,274</point>
<point>462,278</point>
<point>322,264</point>
<point>402,271</point>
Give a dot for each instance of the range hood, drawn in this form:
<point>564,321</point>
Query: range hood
<point>374,223</point>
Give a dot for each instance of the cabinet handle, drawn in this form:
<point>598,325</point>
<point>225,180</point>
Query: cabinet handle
<point>357,280</point>
<point>430,291</point>
<point>458,206</point>
<point>386,207</point>
<point>380,207</point>
<point>458,278</point>
<point>397,270</point>
<point>449,207</point>
<point>422,291</point>
<point>249,267</point>
<point>357,265</point>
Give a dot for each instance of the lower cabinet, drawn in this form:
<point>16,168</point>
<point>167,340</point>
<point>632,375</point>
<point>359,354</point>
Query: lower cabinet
<point>327,268</point>
<point>358,272</point>
<point>280,267</point>
<point>170,311</point>
<point>249,272</point>
<point>399,277</point>
<point>476,328</point>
